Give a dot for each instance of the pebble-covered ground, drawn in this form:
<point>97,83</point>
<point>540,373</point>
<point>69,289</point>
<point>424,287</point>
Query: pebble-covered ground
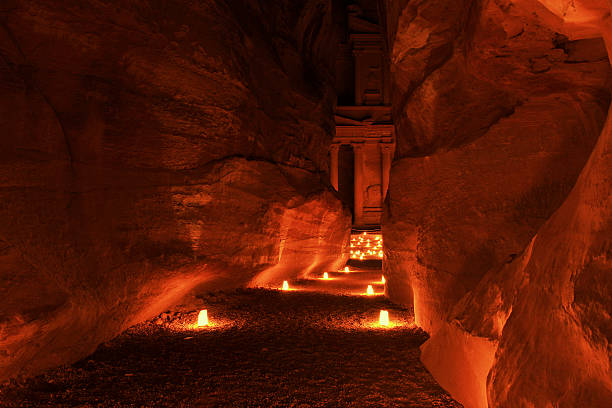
<point>264,348</point>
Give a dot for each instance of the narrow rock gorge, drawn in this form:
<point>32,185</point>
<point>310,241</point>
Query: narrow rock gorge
<point>153,152</point>
<point>499,205</point>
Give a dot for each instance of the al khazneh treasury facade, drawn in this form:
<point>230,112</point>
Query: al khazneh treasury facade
<point>363,147</point>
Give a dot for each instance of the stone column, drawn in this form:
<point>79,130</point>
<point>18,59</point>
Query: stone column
<point>333,165</point>
<point>386,150</point>
<point>358,148</point>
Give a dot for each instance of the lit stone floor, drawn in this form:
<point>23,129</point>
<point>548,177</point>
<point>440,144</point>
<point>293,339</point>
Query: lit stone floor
<point>264,348</point>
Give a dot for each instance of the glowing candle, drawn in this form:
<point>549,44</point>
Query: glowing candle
<point>203,318</point>
<point>325,276</point>
<point>383,280</point>
<point>346,269</point>
<point>285,285</point>
<point>380,254</point>
<point>384,318</point>
<point>370,290</point>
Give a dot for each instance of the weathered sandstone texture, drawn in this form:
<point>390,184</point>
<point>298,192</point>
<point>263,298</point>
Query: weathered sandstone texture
<point>495,229</point>
<point>149,148</point>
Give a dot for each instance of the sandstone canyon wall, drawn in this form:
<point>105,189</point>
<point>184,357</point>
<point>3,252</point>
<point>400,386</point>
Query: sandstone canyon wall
<point>498,226</point>
<point>148,147</point>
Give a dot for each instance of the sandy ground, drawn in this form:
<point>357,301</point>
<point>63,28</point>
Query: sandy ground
<point>263,348</point>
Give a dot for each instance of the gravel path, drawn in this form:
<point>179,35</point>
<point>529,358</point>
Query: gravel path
<point>264,348</point>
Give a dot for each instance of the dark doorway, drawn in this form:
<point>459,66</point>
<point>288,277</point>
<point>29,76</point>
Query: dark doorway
<point>346,171</point>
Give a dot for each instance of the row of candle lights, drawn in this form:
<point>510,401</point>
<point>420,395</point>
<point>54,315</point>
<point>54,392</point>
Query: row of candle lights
<point>383,319</point>
<point>384,315</point>
<point>369,289</point>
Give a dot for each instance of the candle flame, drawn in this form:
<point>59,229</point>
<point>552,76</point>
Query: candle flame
<point>285,285</point>
<point>203,318</point>
<point>384,318</point>
<point>370,290</point>
<point>383,279</point>
<point>346,269</point>
<point>325,276</point>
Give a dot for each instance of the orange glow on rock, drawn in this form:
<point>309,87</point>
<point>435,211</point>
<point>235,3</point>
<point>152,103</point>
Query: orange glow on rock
<point>203,318</point>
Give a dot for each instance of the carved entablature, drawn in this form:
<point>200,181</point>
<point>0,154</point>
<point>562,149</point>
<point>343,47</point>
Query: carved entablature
<point>364,43</point>
<point>365,134</point>
<point>362,115</point>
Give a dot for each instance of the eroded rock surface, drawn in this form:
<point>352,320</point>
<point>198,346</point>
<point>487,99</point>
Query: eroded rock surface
<point>123,186</point>
<point>498,107</point>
